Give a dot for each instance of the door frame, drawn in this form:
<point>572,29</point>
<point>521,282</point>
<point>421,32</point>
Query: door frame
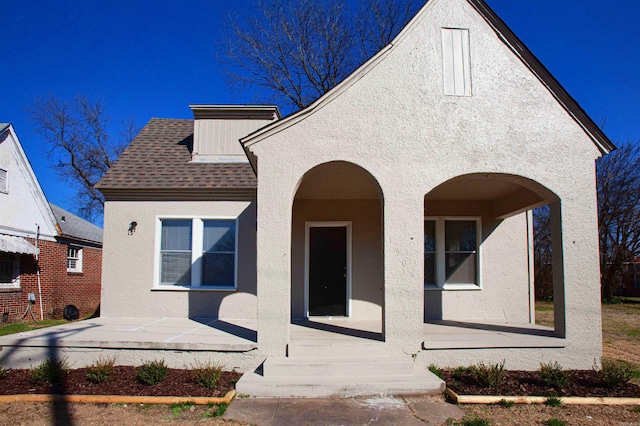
<point>326,224</point>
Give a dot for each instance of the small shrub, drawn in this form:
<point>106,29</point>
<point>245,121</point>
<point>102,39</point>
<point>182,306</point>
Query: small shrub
<point>152,372</point>
<point>636,409</point>
<point>555,422</point>
<point>475,421</point>
<point>506,404</point>
<point>207,374</point>
<point>49,371</point>
<point>99,371</point>
<point>553,375</point>
<point>615,373</point>
<point>459,372</point>
<point>553,402</point>
<point>436,370</point>
<point>488,375</point>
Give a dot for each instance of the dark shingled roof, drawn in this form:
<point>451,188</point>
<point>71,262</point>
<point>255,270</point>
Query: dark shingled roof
<point>76,227</point>
<point>159,158</point>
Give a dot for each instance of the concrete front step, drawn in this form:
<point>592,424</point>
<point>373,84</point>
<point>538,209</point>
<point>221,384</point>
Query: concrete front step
<point>366,348</point>
<point>334,367</point>
<point>420,382</point>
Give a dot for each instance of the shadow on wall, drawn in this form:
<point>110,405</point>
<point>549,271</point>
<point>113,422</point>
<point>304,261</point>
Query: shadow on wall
<point>212,307</point>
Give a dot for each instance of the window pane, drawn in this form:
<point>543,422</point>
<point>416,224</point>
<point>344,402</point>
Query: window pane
<point>219,235</point>
<point>218,269</point>
<point>6,268</point>
<point>460,235</point>
<point>429,269</point>
<point>429,235</point>
<point>460,268</point>
<point>176,268</point>
<point>176,235</point>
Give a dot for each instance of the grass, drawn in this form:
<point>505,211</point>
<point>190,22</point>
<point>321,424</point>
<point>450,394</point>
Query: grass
<point>555,422</point>
<point>436,370</point>
<point>22,327</point>
<point>553,402</point>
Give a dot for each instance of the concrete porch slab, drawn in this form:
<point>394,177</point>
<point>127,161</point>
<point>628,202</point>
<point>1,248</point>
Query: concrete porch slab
<point>143,333</point>
<point>443,335</point>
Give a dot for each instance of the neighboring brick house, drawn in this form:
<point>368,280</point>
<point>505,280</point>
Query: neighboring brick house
<point>67,249</point>
<point>631,278</point>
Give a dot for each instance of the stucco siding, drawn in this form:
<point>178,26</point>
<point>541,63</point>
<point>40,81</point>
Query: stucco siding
<point>130,263</point>
<point>395,122</point>
<point>504,296</point>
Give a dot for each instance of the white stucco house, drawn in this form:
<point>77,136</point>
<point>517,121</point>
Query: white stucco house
<point>394,209</point>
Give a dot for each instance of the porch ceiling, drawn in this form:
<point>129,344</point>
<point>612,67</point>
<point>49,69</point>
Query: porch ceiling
<point>338,181</point>
<point>502,197</point>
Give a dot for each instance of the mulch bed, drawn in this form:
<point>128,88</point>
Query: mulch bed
<point>122,381</point>
<point>527,383</point>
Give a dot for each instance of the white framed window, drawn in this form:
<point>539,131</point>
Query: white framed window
<point>74,259</point>
<point>4,181</point>
<point>9,270</point>
<point>197,252</point>
<point>452,253</point>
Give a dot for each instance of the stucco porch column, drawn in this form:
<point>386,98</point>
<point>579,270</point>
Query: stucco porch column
<point>273,244</point>
<point>403,275</point>
<point>581,296</point>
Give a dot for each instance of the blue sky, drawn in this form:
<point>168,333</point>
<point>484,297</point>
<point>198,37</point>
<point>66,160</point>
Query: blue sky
<point>152,59</point>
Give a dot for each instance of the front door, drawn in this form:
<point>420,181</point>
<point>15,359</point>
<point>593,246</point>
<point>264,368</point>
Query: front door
<point>327,270</point>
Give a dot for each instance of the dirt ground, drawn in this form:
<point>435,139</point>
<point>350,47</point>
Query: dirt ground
<point>541,414</point>
<point>621,340</point>
<point>45,414</point>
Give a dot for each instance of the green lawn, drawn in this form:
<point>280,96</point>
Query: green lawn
<point>20,327</point>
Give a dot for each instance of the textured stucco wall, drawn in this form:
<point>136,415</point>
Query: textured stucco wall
<point>394,121</point>
<point>505,280</point>
<point>129,261</point>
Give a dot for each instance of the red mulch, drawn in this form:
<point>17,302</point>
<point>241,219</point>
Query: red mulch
<point>528,383</point>
<point>122,381</point>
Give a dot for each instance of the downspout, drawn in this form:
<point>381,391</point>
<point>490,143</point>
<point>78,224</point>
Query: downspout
<point>38,271</point>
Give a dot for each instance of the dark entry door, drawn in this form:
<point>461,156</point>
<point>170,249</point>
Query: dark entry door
<point>328,271</point>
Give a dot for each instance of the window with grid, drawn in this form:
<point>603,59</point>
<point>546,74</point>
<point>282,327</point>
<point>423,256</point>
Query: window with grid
<point>451,250</point>
<point>74,259</point>
<point>198,252</point>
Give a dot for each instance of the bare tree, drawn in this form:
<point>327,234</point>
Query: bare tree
<point>79,145</point>
<point>543,265</point>
<point>297,50</point>
<point>618,176</point>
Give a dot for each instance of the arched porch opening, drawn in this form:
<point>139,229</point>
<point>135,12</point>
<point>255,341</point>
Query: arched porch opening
<point>479,262</point>
<point>337,258</point>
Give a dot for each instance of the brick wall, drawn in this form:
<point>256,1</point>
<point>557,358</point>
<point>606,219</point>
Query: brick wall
<point>59,287</point>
